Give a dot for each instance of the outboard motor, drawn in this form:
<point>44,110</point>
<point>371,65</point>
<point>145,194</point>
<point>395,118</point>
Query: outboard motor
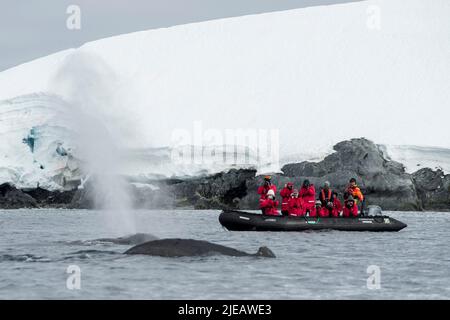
<point>374,210</point>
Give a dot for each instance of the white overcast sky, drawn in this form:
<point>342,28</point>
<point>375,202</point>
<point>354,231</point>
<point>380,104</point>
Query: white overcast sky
<point>30,29</point>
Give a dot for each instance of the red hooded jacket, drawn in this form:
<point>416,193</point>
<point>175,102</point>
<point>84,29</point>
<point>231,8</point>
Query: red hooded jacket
<point>337,207</point>
<point>323,212</point>
<point>285,194</point>
<point>308,196</point>
<point>352,211</point>
<point>295,207</point>
<point>270,207</point>
<point>262,191</point>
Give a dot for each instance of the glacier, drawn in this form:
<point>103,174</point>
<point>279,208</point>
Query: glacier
<point>318,75</point>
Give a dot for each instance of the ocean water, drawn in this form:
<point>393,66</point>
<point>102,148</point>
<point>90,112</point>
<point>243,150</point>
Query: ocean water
<point>38,246</point>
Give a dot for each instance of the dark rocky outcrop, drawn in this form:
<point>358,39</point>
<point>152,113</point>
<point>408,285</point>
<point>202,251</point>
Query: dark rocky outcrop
<point>223,189</point>
<point>82,199</point>
<point>433,189</point>
<point>13,198</point>
<point>384,182</point>
<point>45,198</point>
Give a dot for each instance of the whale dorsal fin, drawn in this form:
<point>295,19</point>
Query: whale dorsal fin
<point>265,252</point>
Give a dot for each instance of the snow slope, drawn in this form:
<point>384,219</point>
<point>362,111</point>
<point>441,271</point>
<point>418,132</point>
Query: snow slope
<point>416,157</point>
<point>319,75</point>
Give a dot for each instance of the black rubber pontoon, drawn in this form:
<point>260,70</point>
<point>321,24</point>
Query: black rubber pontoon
<point>235,220</point>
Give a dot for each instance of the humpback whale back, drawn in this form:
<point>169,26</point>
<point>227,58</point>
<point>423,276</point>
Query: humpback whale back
<point>189,248</point>
<point>133,239</point>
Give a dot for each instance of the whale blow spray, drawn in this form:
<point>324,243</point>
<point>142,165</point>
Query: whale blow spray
<point>89,87</point>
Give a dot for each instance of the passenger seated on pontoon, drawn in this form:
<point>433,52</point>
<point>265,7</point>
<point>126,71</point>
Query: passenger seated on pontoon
<point>337,206</point>
<point>285,194</point>
<point>324,211</point>
<point>332,207</point>
<point>295,205</point>
<point>350,208</point>
<point>317,209</point>
<point>262,190</point>
<point>308,195</point>
<point>269,205</point>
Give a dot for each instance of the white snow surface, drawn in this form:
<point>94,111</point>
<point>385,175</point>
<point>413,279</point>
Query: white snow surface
<point>318,75</point>
<point>416,157</point>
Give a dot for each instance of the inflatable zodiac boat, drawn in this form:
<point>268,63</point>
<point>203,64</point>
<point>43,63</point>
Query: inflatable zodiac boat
<point>236,220</point>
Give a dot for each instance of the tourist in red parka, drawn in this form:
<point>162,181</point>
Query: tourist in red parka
<point>332,209</point>
<point>323,211</point>
<point>337,206</point>
<point>331,206</point>
<point>262,190</point>
<point>308,195</point>
<point>295,204</point>
<point>269,205</point>
<point>285,194</point>
<point>317,209</point>
<point>350,208</point>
